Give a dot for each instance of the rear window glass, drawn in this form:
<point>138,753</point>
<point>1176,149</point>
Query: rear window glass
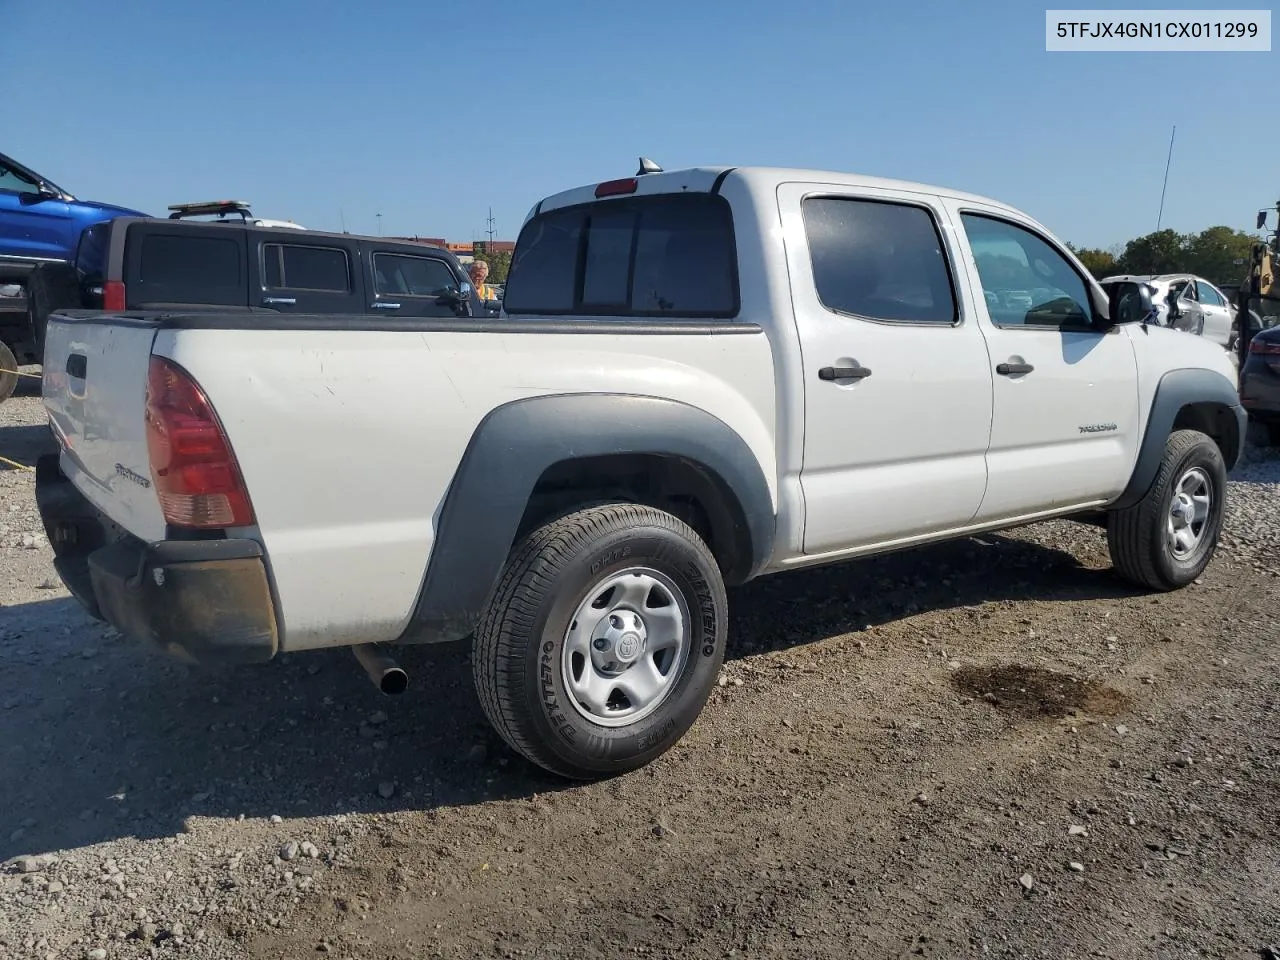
<point>637,257</point>
<point>289,266</point>
<point>191,269</point>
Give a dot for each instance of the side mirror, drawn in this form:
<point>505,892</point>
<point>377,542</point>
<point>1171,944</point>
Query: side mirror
<point>47,192</point>
<point>1129,303</point>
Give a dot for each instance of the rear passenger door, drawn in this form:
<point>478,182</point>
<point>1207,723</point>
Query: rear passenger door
<point>404,284</point>
<point>897,383</point>
<point>307,274</point>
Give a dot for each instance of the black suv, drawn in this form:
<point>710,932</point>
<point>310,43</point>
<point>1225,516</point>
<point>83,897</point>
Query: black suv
<point>144,263</point>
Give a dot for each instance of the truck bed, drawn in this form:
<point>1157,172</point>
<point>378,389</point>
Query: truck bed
<point>348,430</point>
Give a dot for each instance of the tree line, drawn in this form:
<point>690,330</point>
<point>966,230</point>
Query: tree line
<point>1219,254</point>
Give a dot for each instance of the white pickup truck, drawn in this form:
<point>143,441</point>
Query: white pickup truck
<point>700,377</point>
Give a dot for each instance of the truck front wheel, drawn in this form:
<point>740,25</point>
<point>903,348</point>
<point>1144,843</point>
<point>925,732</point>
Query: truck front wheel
<point>1166,540</point>
<point>602,640</point>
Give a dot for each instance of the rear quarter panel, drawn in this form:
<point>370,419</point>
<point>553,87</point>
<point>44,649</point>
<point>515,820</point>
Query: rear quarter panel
<point>348,439</point>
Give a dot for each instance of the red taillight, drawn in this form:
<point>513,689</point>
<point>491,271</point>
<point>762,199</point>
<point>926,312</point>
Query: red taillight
<point>1264,346</point>
<point>612,188</point>
<point>113,295</point>
<point>195,472</point>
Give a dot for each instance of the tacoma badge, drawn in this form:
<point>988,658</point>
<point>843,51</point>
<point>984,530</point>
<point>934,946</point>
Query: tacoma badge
<point>128,474</point>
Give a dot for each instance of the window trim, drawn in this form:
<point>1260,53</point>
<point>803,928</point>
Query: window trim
<point>1094,324</point>
<point>350,290</point>
<point>579,275</point>
<point>948,261</point>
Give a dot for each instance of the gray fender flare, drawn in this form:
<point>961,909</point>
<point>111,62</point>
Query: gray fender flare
<point>1178,389</point>
<point>515,444</point>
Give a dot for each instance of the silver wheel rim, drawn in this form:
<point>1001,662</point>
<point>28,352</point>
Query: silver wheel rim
<point>1189,512</point>
<point>626,647</point>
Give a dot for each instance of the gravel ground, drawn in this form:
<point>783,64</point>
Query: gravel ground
<point>985,748</point>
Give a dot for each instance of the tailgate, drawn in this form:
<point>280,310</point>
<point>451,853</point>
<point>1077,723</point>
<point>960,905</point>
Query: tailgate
<point>95,391</point>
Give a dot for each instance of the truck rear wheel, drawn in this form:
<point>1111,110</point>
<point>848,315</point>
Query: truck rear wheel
<point>1167,539</point>
<point>8,372</point>
<point>602,640</point>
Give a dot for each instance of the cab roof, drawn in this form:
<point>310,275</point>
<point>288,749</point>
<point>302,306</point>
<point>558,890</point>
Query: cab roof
<point>758,179</point>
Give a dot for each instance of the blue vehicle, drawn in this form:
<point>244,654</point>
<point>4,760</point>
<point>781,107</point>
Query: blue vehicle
<point>40,224</point>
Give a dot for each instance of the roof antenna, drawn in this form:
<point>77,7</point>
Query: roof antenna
<point>647,166</point>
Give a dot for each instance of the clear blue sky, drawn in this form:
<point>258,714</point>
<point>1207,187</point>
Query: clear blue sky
<point>430,113</point>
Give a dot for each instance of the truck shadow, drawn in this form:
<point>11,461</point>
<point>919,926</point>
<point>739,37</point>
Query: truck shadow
<point>824,602</point>
<point>25,444</point>
<point>105,740</point>
<point>31,385</point>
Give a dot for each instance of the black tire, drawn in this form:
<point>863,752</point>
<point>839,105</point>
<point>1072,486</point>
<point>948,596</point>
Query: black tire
<point>8,372</point>
<point>519,673</point>
<point>1138,536</point>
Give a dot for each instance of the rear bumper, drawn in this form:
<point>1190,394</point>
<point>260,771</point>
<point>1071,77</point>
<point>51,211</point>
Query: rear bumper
<point>206,601</point>
<point>1260,389</point>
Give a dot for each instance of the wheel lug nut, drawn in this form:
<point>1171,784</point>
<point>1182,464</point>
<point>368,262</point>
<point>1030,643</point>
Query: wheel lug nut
<point>600,643</point>
<point>615,621</point>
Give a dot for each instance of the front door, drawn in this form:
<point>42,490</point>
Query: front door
<point>897,387</point>
<point>1218,315</point>
<point>1064,429</point>
<point>414,285</point>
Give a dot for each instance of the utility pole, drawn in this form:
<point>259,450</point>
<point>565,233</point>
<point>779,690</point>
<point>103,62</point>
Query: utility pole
<point>379,216</point>
<point>1164,186</point>
<point>490,222</point>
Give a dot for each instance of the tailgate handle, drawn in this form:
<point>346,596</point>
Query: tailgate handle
<point>77,366</point>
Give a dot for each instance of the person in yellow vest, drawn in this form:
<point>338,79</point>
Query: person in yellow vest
<point>479,272</point>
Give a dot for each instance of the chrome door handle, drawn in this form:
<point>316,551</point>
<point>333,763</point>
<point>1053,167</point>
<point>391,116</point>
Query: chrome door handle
<point>383,305</point>
<point>279,301</point>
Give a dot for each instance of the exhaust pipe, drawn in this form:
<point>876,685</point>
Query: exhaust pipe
<point>385,673</point>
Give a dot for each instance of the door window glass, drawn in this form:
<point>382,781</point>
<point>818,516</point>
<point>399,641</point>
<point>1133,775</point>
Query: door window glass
<point>1025,281</point>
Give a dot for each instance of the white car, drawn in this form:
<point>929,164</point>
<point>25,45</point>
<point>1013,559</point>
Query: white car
<point>702,377</point>
<point>1188,303</point>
